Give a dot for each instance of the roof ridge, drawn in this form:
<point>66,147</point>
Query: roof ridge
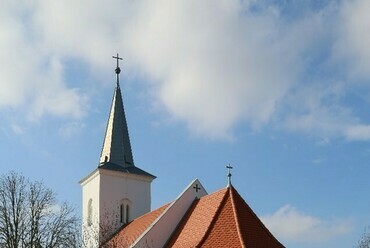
<point>236,217</point>
<point>214,219</point>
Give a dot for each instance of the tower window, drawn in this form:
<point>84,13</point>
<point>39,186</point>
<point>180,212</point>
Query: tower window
<point>124,211</point>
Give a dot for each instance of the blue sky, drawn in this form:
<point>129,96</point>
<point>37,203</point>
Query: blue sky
<point>279,89</point>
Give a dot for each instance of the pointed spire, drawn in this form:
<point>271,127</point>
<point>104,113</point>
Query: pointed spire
<point>117,148</point>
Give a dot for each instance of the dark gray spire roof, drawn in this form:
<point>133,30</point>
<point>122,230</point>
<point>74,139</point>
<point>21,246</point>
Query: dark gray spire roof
<point>117,148</point>
<point>116,153</point>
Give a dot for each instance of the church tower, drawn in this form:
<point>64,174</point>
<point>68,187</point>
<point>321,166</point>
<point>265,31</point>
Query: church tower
<point>117,191</point>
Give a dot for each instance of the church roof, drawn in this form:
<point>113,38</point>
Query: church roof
<point>221,219</point>
<point>116,154</point>
<point>116,147</point>
<point>130,232</point>
<point>197,221</point>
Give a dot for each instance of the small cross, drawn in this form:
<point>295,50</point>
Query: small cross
<point>196,187</point>
<point>117,58</point>
<point>229,168</point>
<point>118,70</point>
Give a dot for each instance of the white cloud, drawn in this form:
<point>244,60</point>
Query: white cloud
<point>29,76</point>
<point>70,129</point>
<point>213,64</point>
<point>315,109</point>
<point>291,225</point>
<point>353,42</point>
<point>218,62</point>
<point>358,132</point>
<point>210,64</point>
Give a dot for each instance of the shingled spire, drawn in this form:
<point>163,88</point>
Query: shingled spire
<point>117,148</point>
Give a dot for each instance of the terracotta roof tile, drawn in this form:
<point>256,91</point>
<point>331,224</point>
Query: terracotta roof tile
<point>222,219</point>
<point>196,222</point>
<point>223,231</point>
<point>252,230</point>
<point>128,234</point>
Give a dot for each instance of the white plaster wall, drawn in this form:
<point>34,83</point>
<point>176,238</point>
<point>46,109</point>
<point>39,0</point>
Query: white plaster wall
<point>116,186</point>
<point>90,190</point>
<point>107,188</point>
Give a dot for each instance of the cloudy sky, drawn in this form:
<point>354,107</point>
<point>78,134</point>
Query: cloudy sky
<point>279,89</point>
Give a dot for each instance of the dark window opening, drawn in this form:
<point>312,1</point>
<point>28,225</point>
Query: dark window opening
<point>121,209</point>
<point>127,213</point>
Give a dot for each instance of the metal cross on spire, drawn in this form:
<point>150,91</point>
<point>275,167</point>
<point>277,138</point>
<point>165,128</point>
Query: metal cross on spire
<point>118,70</point>
<point>229,168</point>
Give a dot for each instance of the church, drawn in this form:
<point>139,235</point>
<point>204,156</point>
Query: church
<point>116,200</point>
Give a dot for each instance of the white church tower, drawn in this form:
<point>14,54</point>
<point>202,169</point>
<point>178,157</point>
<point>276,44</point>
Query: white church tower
<point>117,191</point>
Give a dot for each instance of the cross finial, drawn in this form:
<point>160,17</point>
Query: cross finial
<point>118,70</point>
<point>229,168</point>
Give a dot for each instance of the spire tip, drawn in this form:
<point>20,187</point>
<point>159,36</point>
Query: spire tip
<point>229,168</point>
<point>117,70</point>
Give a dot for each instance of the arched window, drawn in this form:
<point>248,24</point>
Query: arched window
<point>124,211</point>
<point>89,213</point>
<point>127,213</point>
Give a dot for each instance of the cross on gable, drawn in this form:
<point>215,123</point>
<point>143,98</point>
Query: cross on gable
<point>196,187</point>
<point>229,168</point>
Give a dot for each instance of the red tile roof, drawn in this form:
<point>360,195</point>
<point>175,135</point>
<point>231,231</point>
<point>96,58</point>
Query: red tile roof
<point>219,220</point>
<point>129,233</point>
<point>253,232</point>
<point>196,222</point>
<point>222,219</point>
